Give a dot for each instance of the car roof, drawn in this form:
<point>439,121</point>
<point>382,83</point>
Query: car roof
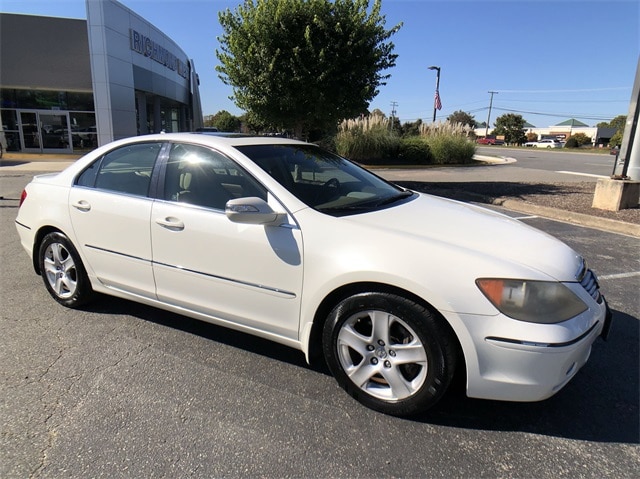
<point>219,139</point>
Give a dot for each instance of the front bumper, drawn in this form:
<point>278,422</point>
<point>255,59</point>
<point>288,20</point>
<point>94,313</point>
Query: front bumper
<point>504,368</point>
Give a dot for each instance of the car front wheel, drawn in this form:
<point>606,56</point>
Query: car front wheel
<point>62,271</point>
<point>390,353</point>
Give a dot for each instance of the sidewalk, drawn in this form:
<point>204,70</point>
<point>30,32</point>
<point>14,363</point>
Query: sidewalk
<point>489,183</point>
<point>35,162</point>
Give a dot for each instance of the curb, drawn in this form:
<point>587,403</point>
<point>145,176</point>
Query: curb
<point>495,160</point>
<point>606,224</point>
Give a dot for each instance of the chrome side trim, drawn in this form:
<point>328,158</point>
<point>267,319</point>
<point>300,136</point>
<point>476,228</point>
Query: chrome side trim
<point>543,345</point>
<point>117,253</point>
<point>270,289</point>
<point>24,226</point>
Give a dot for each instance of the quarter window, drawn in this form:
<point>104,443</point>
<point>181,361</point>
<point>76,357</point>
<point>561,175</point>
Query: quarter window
<point>199,176</point>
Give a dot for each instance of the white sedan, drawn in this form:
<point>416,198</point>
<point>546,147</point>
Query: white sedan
<point>547,143</point>
<point>396,290</point>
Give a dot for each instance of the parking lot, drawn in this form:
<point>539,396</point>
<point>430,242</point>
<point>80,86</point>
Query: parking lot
<point>124,390</point>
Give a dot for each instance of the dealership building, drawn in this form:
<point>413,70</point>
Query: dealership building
<point>70,85</point>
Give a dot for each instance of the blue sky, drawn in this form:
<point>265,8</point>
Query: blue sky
<point>548,60</point>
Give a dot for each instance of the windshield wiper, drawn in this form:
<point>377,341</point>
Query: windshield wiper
<point>392,199</point>
<point>369,205</point>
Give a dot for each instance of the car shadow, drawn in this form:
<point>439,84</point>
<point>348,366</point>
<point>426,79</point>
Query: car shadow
<point>599,404</point>
<point>492,190</point>
<point>219,334</point>
<point>7,162</point>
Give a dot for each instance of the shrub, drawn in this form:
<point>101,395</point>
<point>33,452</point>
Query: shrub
<point>581,139</point>
<point>449,142</point>
<point>414,151</point>
<point>572,143</point>
<point>367,140</point>
<point>451,150</point>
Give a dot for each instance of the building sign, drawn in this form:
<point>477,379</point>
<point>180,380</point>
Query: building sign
<point>147,47</point>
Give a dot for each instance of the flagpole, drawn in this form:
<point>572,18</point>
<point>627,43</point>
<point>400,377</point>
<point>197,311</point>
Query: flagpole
<point>436,98</point>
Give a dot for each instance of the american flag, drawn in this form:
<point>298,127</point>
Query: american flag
<point>438,103</point>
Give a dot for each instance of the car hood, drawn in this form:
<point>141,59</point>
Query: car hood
<point>490,235</point>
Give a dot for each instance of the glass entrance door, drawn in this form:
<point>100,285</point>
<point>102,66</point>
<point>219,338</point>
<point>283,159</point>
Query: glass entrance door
<point>45,132</point>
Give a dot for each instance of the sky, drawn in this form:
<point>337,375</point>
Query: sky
<point>546,60</point>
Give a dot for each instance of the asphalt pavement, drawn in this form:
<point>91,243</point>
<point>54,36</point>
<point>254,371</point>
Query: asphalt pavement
<point>119,389</point>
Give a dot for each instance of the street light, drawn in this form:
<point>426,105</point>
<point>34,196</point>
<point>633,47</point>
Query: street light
<point>437,105</point>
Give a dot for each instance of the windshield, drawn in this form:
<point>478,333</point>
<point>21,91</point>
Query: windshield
<point>324,181</point>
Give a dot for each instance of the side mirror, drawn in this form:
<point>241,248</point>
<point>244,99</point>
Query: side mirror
<point>252,210</point>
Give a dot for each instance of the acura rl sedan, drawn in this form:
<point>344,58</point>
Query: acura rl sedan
<point>396,291</point>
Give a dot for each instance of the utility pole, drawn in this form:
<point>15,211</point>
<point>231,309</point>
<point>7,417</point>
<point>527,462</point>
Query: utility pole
<point>394,104</point>
<point>630,149</point>
<point>486,131</point>
<point>623,191</point>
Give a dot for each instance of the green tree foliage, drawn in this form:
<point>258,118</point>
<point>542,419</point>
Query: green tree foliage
<point>512,127</point>
<point>618,123</point>
<point>616,139</point>
<point>462,117</point>
<point>577,140</point>
<point>225,121</point>
<point>411,128</point>
<point>303,65</point>
<point>531,136</point>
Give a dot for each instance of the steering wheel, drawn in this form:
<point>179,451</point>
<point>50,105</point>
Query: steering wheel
<point>332,183</point>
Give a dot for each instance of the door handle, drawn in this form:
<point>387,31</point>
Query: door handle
<point>171,223</point>
<point>82,205</point>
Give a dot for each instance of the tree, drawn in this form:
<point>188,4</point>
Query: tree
<point>618,123</point>
<point>577,140</point>
<point>225,121</point>
<point>512,127</point>
<point>462,117</point>
<point>411,128</point>
<point>303,65</point>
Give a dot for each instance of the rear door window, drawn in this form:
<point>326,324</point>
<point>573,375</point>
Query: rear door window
<point>126,169</point>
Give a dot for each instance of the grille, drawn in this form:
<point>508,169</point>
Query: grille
<point>589,282</point>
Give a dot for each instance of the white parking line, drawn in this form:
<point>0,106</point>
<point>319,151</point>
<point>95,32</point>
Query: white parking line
<point>531,217</point>
<point>619,275</point>
<point>582,174</point>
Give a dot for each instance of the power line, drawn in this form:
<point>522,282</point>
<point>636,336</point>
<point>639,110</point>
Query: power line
<point>560,115</point>
<point>572,90</point>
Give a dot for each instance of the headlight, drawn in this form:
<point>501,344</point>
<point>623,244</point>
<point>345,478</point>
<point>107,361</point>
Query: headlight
<point>532,301</point>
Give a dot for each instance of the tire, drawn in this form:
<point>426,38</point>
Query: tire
<point>62,271</point>
<point>389,353</point>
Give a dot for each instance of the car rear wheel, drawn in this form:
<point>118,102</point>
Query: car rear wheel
<point>64,275</point>
<point>390,353</point>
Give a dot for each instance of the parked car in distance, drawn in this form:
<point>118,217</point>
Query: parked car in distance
<point>490,140</point>
<point>546,143</point>
<point>396,291</point>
